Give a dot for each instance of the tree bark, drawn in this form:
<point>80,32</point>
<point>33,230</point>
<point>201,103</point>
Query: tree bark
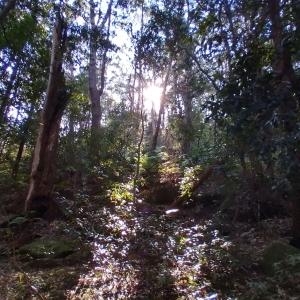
<point>45,156</point>
<point>286,76</point>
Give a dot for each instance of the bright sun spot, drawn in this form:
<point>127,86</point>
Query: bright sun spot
<point>152,96</point>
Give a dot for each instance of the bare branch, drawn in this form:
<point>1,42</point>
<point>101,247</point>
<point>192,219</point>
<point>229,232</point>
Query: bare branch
<point>107,15</point>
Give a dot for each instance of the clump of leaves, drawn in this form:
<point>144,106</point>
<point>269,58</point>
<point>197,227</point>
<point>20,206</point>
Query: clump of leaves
<point>188,180</point>
<point>150,163</point>
<point>121,192</point>
<point>18,221</point>
<point>153,162</point>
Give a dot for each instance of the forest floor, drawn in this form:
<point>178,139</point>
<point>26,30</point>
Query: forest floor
<point>122,253</point>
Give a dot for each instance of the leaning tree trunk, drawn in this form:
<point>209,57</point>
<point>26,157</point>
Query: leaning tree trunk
<point>45,156</point>
<point>286,75</point>
<point>196,185</point>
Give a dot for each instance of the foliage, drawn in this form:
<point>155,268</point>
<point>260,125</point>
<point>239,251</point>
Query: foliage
<point>190,176</point>
<point>19,221</point>
<point>232,94</point>
<point>121,193</point>
<point>284,283</point>
<point>150,164</point>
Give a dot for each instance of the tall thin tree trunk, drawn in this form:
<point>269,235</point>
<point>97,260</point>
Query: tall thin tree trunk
<point>23,141</point>
<point>71,140</point>
<point>137,171</point>
<point>187,123</point>
<point>45,156</point>
<point>95,92</point>
<point>290,109</point>
<point>153,114</point>
<point>161,108</point>
<point>15,169</point>
<point>93,89</point>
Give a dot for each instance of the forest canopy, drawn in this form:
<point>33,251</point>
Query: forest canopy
<point>165,104</point>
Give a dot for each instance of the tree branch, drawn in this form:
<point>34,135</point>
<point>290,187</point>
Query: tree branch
<point>107,15</point>
<point>208,76</point>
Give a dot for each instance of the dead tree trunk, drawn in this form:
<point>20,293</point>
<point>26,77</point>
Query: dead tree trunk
<point>45,156</point>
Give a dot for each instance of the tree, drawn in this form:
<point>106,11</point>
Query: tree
<point>160,47</point>
<point>97,34</point>
<point>44,162</point>
<point>286,78</point>
<point>23,84</point>
<point>258,97</point>
<point>161,108</point>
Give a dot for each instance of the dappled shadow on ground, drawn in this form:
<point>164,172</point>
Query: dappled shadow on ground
<point>152,256</point>
<point>129,258</point>
<point>124,254</point>
<point>127,254</point>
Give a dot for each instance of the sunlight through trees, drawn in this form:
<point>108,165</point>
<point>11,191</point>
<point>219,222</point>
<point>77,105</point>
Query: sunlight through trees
<point>113,113</point>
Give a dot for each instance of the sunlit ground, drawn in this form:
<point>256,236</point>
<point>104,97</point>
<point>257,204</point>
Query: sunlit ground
<point>123,254</point>
<point>153,257</point>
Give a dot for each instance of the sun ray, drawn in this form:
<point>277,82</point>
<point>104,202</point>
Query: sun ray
<point>152,97</point>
